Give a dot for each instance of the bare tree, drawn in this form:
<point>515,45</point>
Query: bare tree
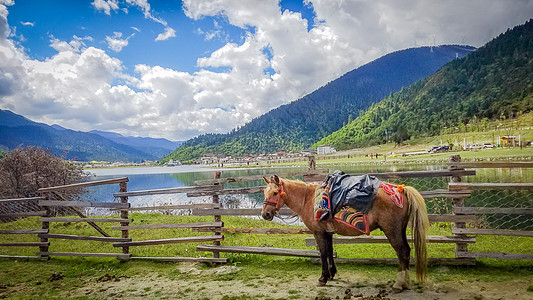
<point>25,170</point>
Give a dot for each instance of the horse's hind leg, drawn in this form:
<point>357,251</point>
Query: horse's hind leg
<point>398,241</point>
<point>322,242</point>
<point>331,261</point>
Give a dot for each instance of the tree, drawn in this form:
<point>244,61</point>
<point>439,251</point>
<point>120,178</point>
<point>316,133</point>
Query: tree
<point>25,170</point>
<point>400,135</point>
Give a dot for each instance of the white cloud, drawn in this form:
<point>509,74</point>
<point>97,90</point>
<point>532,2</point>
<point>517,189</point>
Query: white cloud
<point>84,88</point>
<point>115,42</point>
<point>144,6</point>
<point>28,23</point>
<point>105,5</point>
<point>7,2</point>
<point>169,33</point>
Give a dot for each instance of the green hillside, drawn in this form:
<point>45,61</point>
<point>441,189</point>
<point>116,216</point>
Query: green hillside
<point>496,81</point>
<point>297,125</point>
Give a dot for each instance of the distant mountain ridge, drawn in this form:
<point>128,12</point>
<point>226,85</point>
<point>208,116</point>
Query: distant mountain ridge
<point>157,147</point>
<point>299,124</point>
<point>17,131</point>
<point>495,81</point>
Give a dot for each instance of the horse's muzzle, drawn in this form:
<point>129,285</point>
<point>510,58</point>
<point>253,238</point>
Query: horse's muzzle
<point>267,215</point>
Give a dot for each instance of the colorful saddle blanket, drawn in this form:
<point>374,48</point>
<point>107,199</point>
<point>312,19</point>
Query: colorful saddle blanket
<point>395,192</point>
<point>352,218</point>
<point>322,204</point>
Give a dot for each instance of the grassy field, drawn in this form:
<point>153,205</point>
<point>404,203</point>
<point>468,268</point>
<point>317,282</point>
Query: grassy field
<point>65,277</point>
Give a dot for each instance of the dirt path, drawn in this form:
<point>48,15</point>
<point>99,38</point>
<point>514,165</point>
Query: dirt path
<point>195,283</point>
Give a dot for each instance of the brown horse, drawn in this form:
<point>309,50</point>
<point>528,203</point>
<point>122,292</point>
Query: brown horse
<point>384,214</point>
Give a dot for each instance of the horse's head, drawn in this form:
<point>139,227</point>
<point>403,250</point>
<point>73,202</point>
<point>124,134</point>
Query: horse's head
<point>273,197</point>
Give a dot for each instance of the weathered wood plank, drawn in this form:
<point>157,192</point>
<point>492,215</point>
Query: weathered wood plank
<point>457,186</point>
<point>259,189</point>
<point>498,255</point>
<point>394,261</point>
<point>24,214</point>
<point>418,174</point>
<point>24,231</point>
<point>446,194</point>
<point>162,226</point>
<point>493,164</point>
<point>25,244</point>
<point>257,177</point>
<point>451,218</point>
<point>116,255</point>
<point>183,189</point>
<point>235,212</point>
<point>22,199</point>
<point>383,239</point>
<point>493,210</point>
<point>181,259</point>
<point>83,184</point>
<point>20,256</point>
<point>85,220</point>
<point>492,232</point>
<point>258,230</point>
<point>286,211</point>
<point>239,191</point>
<point>83,204</point>
<point>190,239</point>
<point>166,207</point>
<point>390,175</point>
<point>260,250</point>
<point>84,238</point>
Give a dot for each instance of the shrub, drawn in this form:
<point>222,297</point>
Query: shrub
<point>25,170</point>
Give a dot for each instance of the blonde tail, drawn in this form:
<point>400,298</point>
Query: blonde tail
<point>420,223</point>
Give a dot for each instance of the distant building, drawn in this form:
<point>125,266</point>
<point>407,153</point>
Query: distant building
<point>173,163</point>
<point>508,140</point>
<point>325,149</point>
<point>309,152</point>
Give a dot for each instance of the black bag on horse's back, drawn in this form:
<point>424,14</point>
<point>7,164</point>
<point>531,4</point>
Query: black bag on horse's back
<point>354,191</point>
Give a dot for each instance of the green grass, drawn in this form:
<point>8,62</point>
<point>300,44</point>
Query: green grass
<point>33,277</point>
<point>484,243</point>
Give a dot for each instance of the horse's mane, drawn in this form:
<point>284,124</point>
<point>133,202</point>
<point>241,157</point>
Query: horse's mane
<point>294,180</point>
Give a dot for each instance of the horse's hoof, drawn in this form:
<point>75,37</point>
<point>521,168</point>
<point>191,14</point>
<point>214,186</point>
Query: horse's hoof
<point>321,283</point>
<point>332,275</point>
<point>396,290</point>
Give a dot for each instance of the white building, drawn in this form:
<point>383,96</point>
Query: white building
<point>325,149</point>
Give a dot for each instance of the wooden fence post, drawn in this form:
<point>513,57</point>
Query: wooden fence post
<point>46,226</point>
<point>218,218</point>
<point>458,202</point>
<point>124,215</point>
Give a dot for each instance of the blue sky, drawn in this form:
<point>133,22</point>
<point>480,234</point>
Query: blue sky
<point>64,19</point>
<point>177,69</point>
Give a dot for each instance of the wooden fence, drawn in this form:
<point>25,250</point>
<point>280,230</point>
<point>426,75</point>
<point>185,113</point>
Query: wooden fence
<point>457,192</point>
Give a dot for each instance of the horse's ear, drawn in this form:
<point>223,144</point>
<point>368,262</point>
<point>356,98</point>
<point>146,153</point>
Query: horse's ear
<point>266,180</point>
<point>275,179</point>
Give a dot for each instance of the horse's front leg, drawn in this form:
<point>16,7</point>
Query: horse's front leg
<point>331,261</point>
<point>321,241</point>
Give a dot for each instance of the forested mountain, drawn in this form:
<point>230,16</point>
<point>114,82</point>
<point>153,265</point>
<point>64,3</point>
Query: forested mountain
<point>494,81</point>
<point>299,124</point>
<point>18,131</point>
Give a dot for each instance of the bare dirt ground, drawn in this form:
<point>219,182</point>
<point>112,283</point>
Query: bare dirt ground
<point>196,285</point>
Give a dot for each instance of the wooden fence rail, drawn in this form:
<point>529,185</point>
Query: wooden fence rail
<point>457,191</point>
